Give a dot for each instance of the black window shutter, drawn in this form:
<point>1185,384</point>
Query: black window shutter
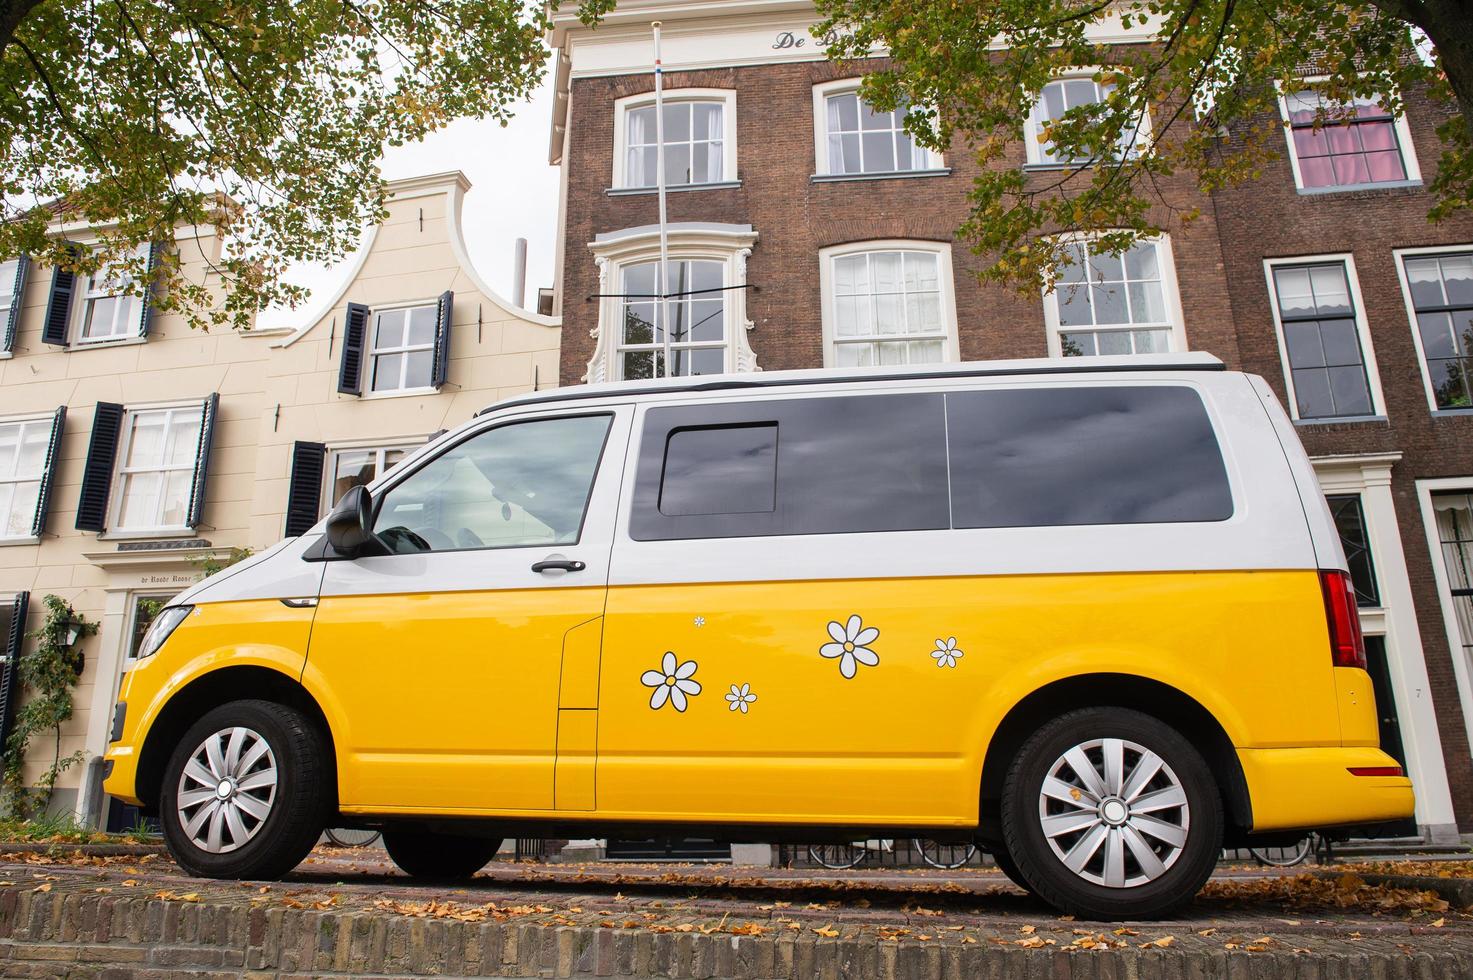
<point>355,336</point>
<point>209,411</point>
<point>48,472</point>
<point>17,293</point>
<point>10,664</point>
<point>97,476</point>
<point>443,310</point>
<point>145,318</point>
<point>304,492</point>
<point>59,306</point>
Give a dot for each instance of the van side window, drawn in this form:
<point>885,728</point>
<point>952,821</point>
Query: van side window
<point>512,486</point>
<point>1037,457</point>
<point>792,466</point>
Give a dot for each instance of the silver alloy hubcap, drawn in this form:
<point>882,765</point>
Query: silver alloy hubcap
<point>1114,813</point>
<point>227,789</point>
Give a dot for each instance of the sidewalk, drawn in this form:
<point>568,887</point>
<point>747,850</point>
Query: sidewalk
<point>346,912</point>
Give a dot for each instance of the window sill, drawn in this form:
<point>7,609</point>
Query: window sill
<point>720,185</point>
<point>17,542</point>
<point>398,393</point>
<point>146,533</point>
<point>1043,168</point>
<point>6,355</point>
<point>1390,185</point>
<point>113,342</point>
<point>882,175</point>
<point>1452,413</point>
<point>1343,420</point>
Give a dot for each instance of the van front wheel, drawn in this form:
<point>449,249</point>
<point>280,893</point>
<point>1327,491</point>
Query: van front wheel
<point>440,857</point>
<point>1111,814</point>
<point>246,792</point>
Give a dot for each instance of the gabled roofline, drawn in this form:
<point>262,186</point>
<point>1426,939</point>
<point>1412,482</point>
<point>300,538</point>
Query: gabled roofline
<point>1118,364</point>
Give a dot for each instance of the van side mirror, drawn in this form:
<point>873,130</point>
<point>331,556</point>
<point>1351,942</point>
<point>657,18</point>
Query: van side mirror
<point>350,525</point>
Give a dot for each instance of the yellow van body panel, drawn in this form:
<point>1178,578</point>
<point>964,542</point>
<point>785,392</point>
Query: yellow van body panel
<point>250,633</point>
<point>514,703</point>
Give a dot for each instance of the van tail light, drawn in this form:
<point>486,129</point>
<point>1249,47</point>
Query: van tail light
<point>1375,771</point>
<point>1347,646</point>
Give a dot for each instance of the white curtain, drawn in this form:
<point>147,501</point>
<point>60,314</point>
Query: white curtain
<point>636,140</point>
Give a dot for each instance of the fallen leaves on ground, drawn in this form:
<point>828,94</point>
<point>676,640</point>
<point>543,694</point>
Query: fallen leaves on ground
<point>1345,892</point>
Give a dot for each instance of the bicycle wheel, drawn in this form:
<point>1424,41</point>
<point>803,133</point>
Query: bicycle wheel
<point>836,857</point>
<point>347,837</point>
<point>1284,857</point>
<point>945,856</point>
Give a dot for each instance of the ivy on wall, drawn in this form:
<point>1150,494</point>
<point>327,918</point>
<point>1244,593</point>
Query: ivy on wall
<point>50,671</point>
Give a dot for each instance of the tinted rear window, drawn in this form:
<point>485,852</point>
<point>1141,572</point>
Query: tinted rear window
<point>1088,455</point>
<point>792,466</point>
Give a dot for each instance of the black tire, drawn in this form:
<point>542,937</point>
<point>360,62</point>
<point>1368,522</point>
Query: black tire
<point>1005,864</point>
<point>439,857</point>
<point>1185,870</point>
<point>303,794</point>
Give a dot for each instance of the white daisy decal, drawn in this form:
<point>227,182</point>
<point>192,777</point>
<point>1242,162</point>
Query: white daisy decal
<point>700,620</point>
<point>851,645</point>
<point>946,653</point>
<point>672,682</point>
<point>740,697</point>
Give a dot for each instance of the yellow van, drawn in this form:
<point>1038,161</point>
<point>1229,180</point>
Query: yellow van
<point>1092,614</point>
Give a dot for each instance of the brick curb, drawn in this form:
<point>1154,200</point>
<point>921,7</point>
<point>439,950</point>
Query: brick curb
<point>82,934</point>
<point>88,850</point>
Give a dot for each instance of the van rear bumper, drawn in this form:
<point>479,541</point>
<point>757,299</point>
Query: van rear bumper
<point>1305,789</point>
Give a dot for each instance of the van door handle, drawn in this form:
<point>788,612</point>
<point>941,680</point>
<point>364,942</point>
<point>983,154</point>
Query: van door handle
<point>558,564</point>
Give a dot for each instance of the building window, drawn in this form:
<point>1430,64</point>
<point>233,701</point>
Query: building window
<point>1321,336</point>
<point>888,303</point>
<point>159,454</point>
<point>1057,98</point>
<point>695,315</point>
<point>403,349</point>
<point>1453,513</point>
<point>349,468</point>
<point>700,139</point>
<point>109,311</point>
<point>1350,522</point>
<point>1335,146</point>
<point>1440,294</point>
<point>855,139</point>
<point>22,466</point>
<point>9,274</point>
<point>1106,303</point>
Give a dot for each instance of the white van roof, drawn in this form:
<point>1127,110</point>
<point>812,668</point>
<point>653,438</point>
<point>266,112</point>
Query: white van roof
<point>1117,363</point>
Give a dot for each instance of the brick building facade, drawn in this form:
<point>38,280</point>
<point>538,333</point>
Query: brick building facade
<point>806,231</point>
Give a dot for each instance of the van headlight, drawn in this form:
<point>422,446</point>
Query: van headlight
<point>160,629</point>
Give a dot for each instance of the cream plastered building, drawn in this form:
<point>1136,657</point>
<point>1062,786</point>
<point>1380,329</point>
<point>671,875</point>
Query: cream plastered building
<point>133,448</point>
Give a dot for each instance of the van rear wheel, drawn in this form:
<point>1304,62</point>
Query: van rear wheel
<point>1109,813</point>
<point>246,792</point>
<point>440,857</point>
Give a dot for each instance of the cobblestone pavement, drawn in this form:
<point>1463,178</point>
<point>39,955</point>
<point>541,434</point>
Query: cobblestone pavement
<point>349,911</point>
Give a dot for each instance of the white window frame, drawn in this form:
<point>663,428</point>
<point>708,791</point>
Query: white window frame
<point>7,294</point>
<point>1170,298</point>
<point>121,470</point>
<point>1403,139</point>
<point>942,250</point>
<point>725,97</point>
<point>729,244</point>
<point>371,353</point>
<point>1400,255</point>
<point>1033,125</point>
<point>379,450</point>
<point>1362,329</point>
<point>49,422</point>
<point>87,290</point>
<point>842,86</point>
<point>131,621</point>
<point>1462,670</point>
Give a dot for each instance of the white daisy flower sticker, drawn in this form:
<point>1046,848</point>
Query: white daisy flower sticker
<point>672,682</point>
<point>851,645</point>
<point>946,653</point>
<point>740,697</point>
<point>700,620</point>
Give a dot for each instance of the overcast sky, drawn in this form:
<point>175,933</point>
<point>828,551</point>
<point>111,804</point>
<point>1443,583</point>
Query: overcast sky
<point>513,195</point>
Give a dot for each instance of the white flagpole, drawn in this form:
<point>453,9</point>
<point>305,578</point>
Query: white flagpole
<point>662,317</point>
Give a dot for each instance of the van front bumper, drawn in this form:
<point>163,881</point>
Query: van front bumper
<point>123,776</point>
<point>1309,788</point>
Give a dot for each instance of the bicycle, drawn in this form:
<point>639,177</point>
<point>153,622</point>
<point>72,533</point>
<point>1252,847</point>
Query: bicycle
<point>1287,857</point>
<point>350,837</point>
<point>841,857</point>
